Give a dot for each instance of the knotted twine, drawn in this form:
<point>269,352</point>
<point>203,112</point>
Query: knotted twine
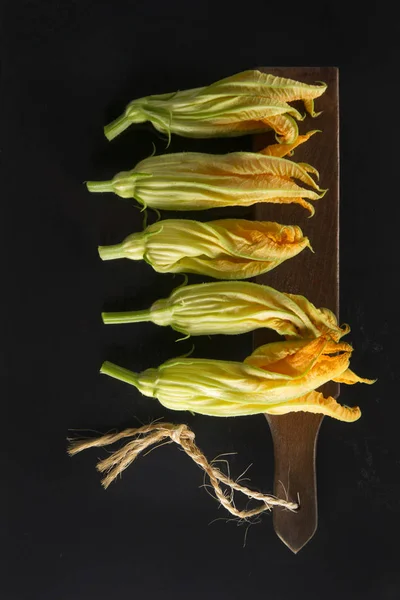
<point>155,433</point>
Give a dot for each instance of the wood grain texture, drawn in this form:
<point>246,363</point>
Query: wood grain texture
<point>315,276</point>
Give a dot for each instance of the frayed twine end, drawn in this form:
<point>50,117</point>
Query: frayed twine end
<point>159,434</point>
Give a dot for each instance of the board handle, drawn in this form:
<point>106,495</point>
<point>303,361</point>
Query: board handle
<point>294,437</point>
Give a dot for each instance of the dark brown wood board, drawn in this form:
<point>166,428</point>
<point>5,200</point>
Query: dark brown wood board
<point>315,276</point>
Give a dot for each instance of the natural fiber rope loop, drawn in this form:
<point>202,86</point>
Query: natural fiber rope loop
<point>149,435</point>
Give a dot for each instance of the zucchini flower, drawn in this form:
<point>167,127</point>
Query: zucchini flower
<point>277,377</point>
<point>246,103</point>
<point>197,181</point>
<point>234,307</point>
<point>224,249</point>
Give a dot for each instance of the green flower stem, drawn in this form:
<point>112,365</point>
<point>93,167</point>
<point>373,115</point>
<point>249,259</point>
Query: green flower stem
<point>115,318</point>
<point>100,186</point>
<point>111,252</point>
<point>108,368</point>
<point>116,127</point>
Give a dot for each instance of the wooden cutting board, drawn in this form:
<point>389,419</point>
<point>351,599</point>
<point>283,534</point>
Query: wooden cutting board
<point>315,276</point>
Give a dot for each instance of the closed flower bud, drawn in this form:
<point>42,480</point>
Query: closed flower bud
<point>249,102</point>
<point>234,307</point>
<point>197,181</point>
<point>224,249</point>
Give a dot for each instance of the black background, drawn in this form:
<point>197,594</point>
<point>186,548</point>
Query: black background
<point>67,68</point>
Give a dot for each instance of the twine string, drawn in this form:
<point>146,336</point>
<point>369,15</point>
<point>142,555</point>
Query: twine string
<point>157,433</point>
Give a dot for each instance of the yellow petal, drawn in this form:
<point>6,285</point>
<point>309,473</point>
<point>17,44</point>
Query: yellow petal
<point>308,363</point>
<point>293,200</point>
<point>253,239</point>
<point>285,127</point>
<point>315,402</point>
<point>224,110</point>
<point>281,150</point>
<point>177,167</point>
<point>309,169</point>
<point>292,358</point>
<point>265,84</point>
<point>322,317</point>
<point>350,378</point>
<point>309,106</point>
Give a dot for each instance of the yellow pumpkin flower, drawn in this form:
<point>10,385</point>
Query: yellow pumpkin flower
<point>234,307</point>
<point>197,181</point>
<point>246,103</point>
<point>272,378</point>
<point>224,249</point>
